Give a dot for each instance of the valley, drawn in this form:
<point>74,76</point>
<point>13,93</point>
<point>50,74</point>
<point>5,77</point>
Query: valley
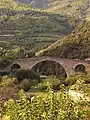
<point>44,60</point>
<point>32,30</point>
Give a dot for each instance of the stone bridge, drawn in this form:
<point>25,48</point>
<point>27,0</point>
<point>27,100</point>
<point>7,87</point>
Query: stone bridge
<point>69,65</point>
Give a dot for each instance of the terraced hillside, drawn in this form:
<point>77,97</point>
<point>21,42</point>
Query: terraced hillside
<point>32,29</point>
<point>76,45</point>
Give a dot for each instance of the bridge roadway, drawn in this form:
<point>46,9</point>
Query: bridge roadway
<point>69,65</point>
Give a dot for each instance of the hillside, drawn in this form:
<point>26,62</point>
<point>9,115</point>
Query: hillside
<point>76,45</point>
<point>76,8</point>
<point>12,4</point>
<point>43,4</point>
<point>33,29</point>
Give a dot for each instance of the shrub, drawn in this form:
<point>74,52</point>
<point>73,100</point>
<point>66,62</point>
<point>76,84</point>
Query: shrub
<point>26,84</point>
<point>82,83</point>
<point>87,78</point>
<point>70,80</point>
<point>8,89</point>
<point>50,106</point>
<point>22,74</point>
<point>30,54</point>
<point>6,81</point>
<point>52,80</point>
<point>34,89</point>
<point>4,63</point>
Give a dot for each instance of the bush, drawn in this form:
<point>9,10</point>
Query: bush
<point>6,81</point>
<point>23,74</point>
<point>30,54</point>
<point>82,83</point>
<point>26,84</point>
<point>50,106</point>
<point>8,89</point>
<point>87,79</point>
<point>34,89</point>
<point>4,63</point>
<point>52,80</point>
<point>70,80</point>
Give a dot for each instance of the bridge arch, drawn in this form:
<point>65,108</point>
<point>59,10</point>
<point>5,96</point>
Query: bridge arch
<point>15,66</point>
<point>69,66</point>
<point>80,68</point>
<point>49,67</point>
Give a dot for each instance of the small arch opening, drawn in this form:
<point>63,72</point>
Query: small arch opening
<point>80,68</point>
<point>15,66</point>
<point>49,67</point>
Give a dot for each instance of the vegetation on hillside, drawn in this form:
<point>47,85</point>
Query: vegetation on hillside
<point>13,5</point>
<point>48,106</point>
<point>31,30</point>
<point>23,32</point>
<point>76,45</point>
<point>75,8</point>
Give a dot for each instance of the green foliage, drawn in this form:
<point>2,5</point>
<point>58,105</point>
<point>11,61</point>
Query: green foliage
<point>8,89</point>
<point>12,4</point>
<point>55,83</point>
<point>73,80</point>
<point>6,81</point>
<point>13,53</point>
<point>29,54</point>
<point>30,29</point>
<point>78,8</point>
<point>51,106</point>
<point>82,83</point>
<point>74,46</point>
<point>29,74</point>
<point>4,63</point>
<point>70,80</point>
<point>26,84</point>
